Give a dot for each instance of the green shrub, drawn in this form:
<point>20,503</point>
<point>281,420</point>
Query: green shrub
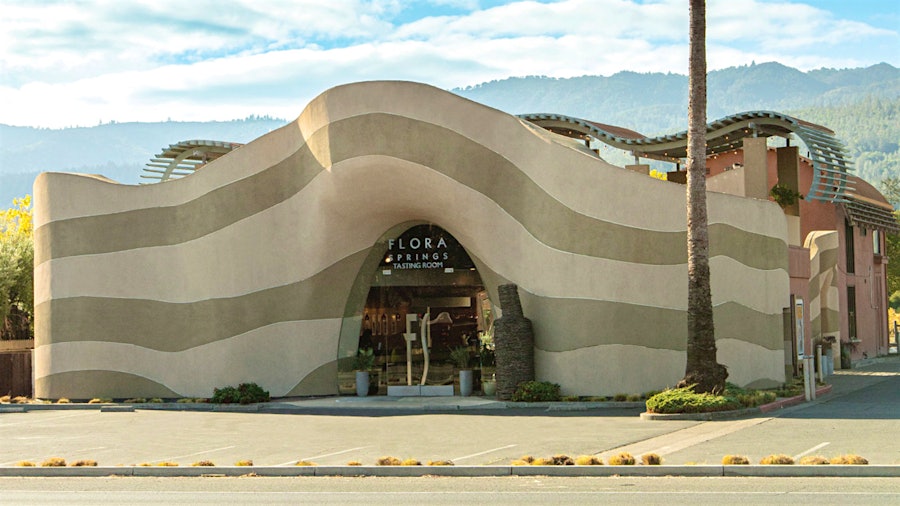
<point>620,397</point>
<point>685,400</point>
<point>137,400</point>
<point>536,391</point>
<point>245,393</point>
<point>155,400</point>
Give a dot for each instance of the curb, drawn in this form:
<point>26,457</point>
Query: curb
<point>796,471</point>
<point>282,408</point>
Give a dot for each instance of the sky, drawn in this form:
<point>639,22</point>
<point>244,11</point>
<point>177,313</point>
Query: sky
<point>82,63</point>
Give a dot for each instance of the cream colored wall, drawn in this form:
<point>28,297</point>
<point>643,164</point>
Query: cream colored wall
<point>245,271</point>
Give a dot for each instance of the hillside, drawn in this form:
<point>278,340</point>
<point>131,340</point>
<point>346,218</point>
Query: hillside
<point>861,105</point>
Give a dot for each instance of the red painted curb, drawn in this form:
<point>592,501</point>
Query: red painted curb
<point>792,401</point>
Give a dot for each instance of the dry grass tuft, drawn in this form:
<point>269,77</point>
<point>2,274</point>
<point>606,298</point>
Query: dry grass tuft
<point>203,463</point>
<point>388,461</point>
<point>541,461</point>
<point>24,463</point>
<point>305,463</point>
<point>520,462</point>
<point>4,399</point>
<point>735,460</point>
<point>440,463</point>
<point>562,460</point>
<point>20,400</point>
<point>777,460</point>
<point>354,463</point>
<point>410,462</point>
<point>813,460</point>
<point>853,460</point>
<point>651,459</point>
<point>587,460</point>
<point>84,463</point>
<point>54,462</point>
<point>63,400</point>
<point>244,463</point>
<point>167,464</point>
<point>622,459</point>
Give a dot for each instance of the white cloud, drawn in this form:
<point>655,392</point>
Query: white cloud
<point>65,64</point>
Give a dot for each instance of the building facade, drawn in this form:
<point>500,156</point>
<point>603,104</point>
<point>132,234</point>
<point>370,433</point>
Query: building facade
<point>381,203</point>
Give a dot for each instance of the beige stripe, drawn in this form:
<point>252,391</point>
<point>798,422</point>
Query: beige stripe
<point>86,385</point>
<point>616,368</point>
<point>230,262</point>
<point>174,327</point>
<point>470,163</point>
<point>590,323</point>
<point>275,357</point>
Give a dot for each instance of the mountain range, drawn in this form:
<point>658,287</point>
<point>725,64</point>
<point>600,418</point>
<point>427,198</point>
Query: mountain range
<point>862,106</point>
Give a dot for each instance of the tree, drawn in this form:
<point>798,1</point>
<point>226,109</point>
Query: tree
<point>890,188</point>
<point>16,271</point>
<point>702,369</point>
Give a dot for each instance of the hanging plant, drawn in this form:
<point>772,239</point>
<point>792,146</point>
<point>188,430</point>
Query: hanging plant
<point>784,196</point>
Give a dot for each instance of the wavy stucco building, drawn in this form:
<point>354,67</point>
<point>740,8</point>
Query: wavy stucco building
<point>257,267</point>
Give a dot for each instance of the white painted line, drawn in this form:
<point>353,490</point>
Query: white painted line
<point>292,462</point>
<point>814,448</point>
<point>335,453</point>
<point>483,453</point>
<point>32,422</point>
<point>194,454</point>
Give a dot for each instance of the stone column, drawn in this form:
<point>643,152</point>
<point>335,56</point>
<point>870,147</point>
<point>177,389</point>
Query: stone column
<point>513,344</point>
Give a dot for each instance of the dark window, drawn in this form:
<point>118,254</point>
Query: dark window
<point>848,247</point>
<point>851,312</point>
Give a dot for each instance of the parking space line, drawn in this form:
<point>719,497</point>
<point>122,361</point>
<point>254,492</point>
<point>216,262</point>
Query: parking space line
<point>32,422</point>
<point>483,453</point>
<point>194,454</point>
<point>814,448</point>
<point>292,462</point>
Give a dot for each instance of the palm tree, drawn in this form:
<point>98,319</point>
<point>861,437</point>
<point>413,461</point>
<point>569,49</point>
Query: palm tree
<point>702,368</point>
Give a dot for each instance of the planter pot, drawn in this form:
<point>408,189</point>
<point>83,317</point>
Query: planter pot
<point>362,383</point>
<point>489,387</point>
<point>466,380</point>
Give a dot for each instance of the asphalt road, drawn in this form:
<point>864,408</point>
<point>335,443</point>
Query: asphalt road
<point>450,491</point>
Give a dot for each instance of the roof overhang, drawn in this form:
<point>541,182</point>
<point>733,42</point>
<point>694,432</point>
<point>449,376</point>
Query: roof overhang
<point>831,166</point>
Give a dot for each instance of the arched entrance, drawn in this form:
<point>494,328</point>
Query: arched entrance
<point>418,276</point>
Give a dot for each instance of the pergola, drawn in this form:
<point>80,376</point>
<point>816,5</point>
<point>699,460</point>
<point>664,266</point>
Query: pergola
<point>183,158</point>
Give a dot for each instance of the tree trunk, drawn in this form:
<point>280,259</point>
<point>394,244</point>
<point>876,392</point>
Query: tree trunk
<point>702,368</point>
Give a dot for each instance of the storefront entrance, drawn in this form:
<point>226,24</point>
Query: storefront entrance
<point>426,310</point>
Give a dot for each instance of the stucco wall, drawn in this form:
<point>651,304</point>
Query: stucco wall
<point>250,269</point>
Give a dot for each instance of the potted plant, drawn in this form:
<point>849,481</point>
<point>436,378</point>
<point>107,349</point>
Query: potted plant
<point>362,363</point>
<point>461,359</point>
<point>488,362</point>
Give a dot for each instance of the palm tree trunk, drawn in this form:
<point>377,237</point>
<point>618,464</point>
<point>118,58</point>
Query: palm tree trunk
<point>702,368</point>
